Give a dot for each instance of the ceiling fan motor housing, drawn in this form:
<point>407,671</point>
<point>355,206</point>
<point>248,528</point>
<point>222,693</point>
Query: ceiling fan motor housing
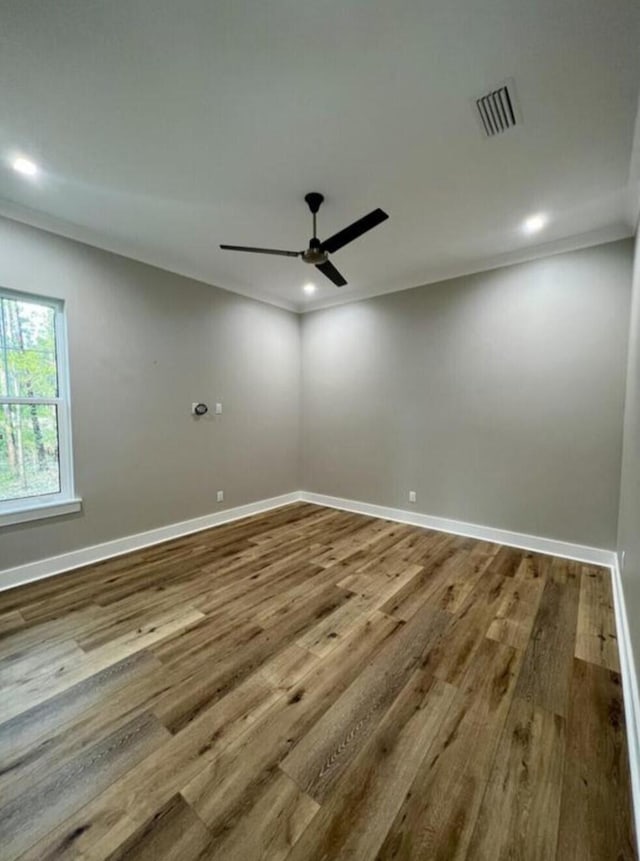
<point>314,253</point>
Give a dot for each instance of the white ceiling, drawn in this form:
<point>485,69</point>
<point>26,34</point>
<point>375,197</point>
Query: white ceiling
<point>165,128</point>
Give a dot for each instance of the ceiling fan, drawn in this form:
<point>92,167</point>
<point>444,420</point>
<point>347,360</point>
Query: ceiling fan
<point>318,252</point>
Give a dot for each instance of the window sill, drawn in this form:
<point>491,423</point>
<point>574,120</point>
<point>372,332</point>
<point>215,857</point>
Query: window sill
<point>40,510</point>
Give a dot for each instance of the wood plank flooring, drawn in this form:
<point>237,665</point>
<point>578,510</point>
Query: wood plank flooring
<point>309,684</point>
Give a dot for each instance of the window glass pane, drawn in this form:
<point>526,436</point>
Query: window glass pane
<point>27,350</point>
<point>29,463</point>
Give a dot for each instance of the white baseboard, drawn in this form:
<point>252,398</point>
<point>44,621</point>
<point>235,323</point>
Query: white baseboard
<point>629,687</point>
<point>11,577</point>
<point>550,546</point>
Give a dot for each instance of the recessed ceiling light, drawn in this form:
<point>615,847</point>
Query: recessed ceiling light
<point>534,223</point>
<point>25,166</point>
<point>309,289</point>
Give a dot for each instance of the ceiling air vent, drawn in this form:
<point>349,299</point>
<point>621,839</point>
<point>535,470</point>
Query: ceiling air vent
<point>497,110</point>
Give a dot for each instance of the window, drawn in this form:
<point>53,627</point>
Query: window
<point>36,476</point>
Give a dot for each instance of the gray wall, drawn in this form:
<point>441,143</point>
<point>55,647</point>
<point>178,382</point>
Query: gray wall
<point>144,344</point>
<point>497,397</point>
<point>629,520</point>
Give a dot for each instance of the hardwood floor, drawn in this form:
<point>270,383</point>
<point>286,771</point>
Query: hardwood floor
<point>309,684</point>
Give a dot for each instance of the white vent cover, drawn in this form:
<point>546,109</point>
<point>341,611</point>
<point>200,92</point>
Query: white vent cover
<point>497,110</point>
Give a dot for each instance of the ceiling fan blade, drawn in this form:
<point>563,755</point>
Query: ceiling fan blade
<point>353,231</point>
<point>261,250</point>
<point>327,268</point>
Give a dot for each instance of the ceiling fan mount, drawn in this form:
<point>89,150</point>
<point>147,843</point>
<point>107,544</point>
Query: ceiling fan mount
<point>314,200</point>
<point>317,254</point>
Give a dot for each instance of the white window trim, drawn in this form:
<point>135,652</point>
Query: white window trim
<point>41,510</point>
<point>65,501</point>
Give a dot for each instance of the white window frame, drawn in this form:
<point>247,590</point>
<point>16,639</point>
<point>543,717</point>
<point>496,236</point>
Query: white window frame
<point>65,500</point>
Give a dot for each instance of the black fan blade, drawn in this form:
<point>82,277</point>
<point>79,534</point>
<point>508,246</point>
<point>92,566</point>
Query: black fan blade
<point>327,268</point>
<point>353,231</point>
<point>261,250</point>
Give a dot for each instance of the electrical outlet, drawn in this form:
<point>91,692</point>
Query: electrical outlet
<point>412,496</point>
<point>220,496</point>
<point>218,409</point>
